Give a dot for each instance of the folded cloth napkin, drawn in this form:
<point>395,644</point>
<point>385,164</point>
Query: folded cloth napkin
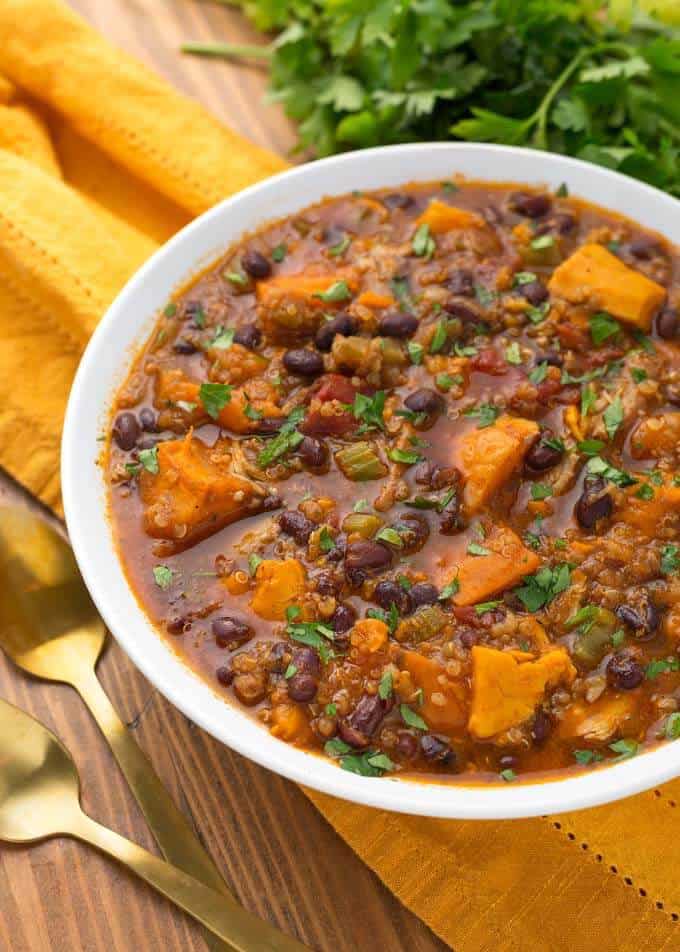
<point>100,162</point>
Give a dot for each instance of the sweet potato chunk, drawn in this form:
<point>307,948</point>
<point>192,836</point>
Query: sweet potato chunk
<point>278,585</point>
<point>480,576</point>
<point>594,275</point>
<point>488,457</point>
<point>648,514</point>
<point>656,436</point>
<point>172,387</point>
<point>369,635</point>
<point>441,218</point>
<point>374,300</point>
<point>505,691</point>
<point>597,722</point>
<point>194,493</point>
<point>289,722</point>
<point>444,706</point>
<point>259,396</point>
<point>289,306</point>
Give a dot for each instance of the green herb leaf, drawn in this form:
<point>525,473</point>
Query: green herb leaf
<point>542,242</point>
<point>391,536</point>
<point>524,277</point>
<point>279,253</point>
<point>672,726</point>
<point>485,413</point>
<point>235,277</point>
<point>540,589</point>
<point>410,717</point>
<point>170,309</point>
<point>285,440</point>
<point>369,410</point>
<point>408,457</point>
<point>624,748</point>
<point>446,381</point>
<point>400,289</point>
<point>326,540</point>
<point>223,339</point>
<point>587,756</point>
<point>539,373</point>
<point>163,576</point>
<point>661,666</point>
<point>513,354</point>
<point>289,672</point>
<point>588,398</point>
<point>338,291</point>
<point>474,548</point>
<point>638,374</point>
<point>613,417</point>
<point>602,327</point>
<point>645,492</point>
<point>449,590</point>
<point>423,243</point>
<point>541,491</point>
<point>670,559</point>
<point>341,247</point>
<point>508,775</point>
<point>481,608</point>
<point>590,447</point>
<point>214,397</point>
<point>596,466</point>
<point>415,352</point>
<point>149,459</point>
<point>253,562</point>
<point>385,686</point>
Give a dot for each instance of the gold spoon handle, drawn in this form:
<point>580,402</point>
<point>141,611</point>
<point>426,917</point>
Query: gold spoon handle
<point>178,843</point>
<point>243,931</point>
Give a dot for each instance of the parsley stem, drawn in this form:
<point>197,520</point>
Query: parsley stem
<point>228,50</point>
<point>540,116</point>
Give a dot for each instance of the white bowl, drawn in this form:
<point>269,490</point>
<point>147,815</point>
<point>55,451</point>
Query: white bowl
<point>104,365</point>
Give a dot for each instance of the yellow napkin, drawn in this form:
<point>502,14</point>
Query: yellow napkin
<point>99,162</point>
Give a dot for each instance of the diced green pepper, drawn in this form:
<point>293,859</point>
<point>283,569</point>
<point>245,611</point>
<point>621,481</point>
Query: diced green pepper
<point>360,462</point>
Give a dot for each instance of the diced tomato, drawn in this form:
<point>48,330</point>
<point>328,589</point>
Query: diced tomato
<point>335,387</point>
<point>489,361</point>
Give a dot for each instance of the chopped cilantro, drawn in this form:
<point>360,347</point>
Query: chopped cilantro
<point>645,492</point>
<point>562,191</point>
<point>540,589</point>
<point>400,289</point>
<point>338,291</point>
<point>279,253</point>
<point>638,374</point>
<point>474,548</point>
<point>485,413</point>
<point>508,775</point>
<point>410,717</point>
<point>253,562</point>
<point>369,410</point>
<point>449,590</point>
<point>214,396</point>
<point>541,491</point>
<point>223,339</point>
<point>149,459</point>
<point>670,559</point>
<point>415,352</point>
<point>290,671</point>
<point>539,373</point>
<point>235,277</point>
<point>446,381</point>
<point>542,242</point>
<point>538,314</point>
<point>483,607</point>
<point>408,457</point>
<point>524,277</point>
<point>170,309</point>
<point>513,354</point>
<point>588,398</point>
<point>163,576</point>
<point>439,337</point>
<point>285,440</point>
<point>391,536</point>
<point>484,296</point>
<point>326,540</point>
<point>423,243</point>
<point>341,247</point>
<point>602,327</point>
<point>590,447</point>
<point>385,686</point>
<point>672,726</point>
<point>613,417</point>
<point>596,466</point>
<point>587,756</point>
<point>625,748</point>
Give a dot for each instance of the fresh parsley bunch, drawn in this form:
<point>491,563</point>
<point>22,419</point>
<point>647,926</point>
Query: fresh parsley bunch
<point>582,77</point>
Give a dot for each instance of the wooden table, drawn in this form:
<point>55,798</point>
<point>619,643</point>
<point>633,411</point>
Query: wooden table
<point>278,855</point>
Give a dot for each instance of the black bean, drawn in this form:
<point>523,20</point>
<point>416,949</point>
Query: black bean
<point>642,615</point>
<point>593,504</point>
<point>624,673</point>
<point>413,529</point>
<point>563,222</point>
<point>436,749</point>
<point>451,519</point>
<point>426,401</point>
<point>256,265</point>
<point>225,673</point>
<point>367,714</point>
<point>184,346</point>
<point>341,324</point>
<point>147,419</point>
<point>365,558</point>
<point>326,583</point>
<point>271,503</point>
<point>435,476</point>
<point>398,324</point>
<point>535,292</point>
<point>398,200</point>
<point>468,638</point>
<point>230,631</point>
<point>294,524</point>
<point>278,657</point>
<point>126,430</point>
<point>644,248</point>
<point>531,205</point>
<point>352,736</point>
<point>302,687</point>
<point>462,282</point>
<point>668,324</point>
<point>248,335</point>
<point>423,593</point>
<point>306,659</point>
<point>343,617</point>
<point>148,442</point>
<point>406,745</point>
<point>303,362</point>
<point>313,452</point>
<point>388,593</point>
<point>462,311</point>
<point>541,456</point>
<point>541,727</point>
<point>551,359</point>
<point>177,624</point>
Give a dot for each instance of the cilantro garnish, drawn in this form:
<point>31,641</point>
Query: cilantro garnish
<point>223,339</point>
<point>149,459</point>
<point>670,559</point>
<point>602,327</point>
<point>408,457</point>
<point>279,253</point>
<point>613,417</point>
<point>540,589</point>
<point>214,397</point>
<point>541,491</point>
<point>338,291</point>
<point>326,540</point>
<point>423,243</point>
<point>312,633</point>
<point>369,410</point>
<point>485,413</point>
<point>285,440</point>
<point>385,686</point>
<point>596,466</point>
<point>474,548</point>
<point>341,247</point>
<point>410,717</point>
<point>163,576</point>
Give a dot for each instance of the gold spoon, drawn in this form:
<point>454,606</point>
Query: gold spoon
<point>50,628</point>
<point>39,798</point>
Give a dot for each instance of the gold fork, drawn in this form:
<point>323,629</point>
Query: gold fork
<point>50,628</point>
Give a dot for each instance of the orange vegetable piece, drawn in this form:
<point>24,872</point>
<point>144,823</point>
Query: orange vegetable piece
<point>374,300</point>
<point>648,514</point>
<point>289,306</point>
<point>194,493</point>
<point>656,436</point>
<point>505,691</point>
<point>369,635</point>
<point>441,218</point>
<point>289,723</point>
<point>488,457</point>
<point>233,415</point>
<point>278,585</point>
<point>599,721</point>
<point>509,560</point>
<point>595,275</point>
<point>303,285</point>
<point>173,386</point>
<point>444,706</point>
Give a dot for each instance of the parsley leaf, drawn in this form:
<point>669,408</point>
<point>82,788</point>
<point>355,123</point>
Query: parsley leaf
<point>602,327</point>
<point>369,410</point>
<point>163,576</point>
<point>596,466</point>
<point>149,459</point>
<point>338,291</point>
<point>613,417</point>
<point>423,243</point>
<point>285,440</point>
<point>541,491</point>
<point>485,413</point>
<point>410,717</point>
<point>670,559</point>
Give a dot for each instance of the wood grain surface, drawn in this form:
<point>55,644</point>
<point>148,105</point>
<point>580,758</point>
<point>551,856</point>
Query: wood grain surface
<point>278,855</point>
